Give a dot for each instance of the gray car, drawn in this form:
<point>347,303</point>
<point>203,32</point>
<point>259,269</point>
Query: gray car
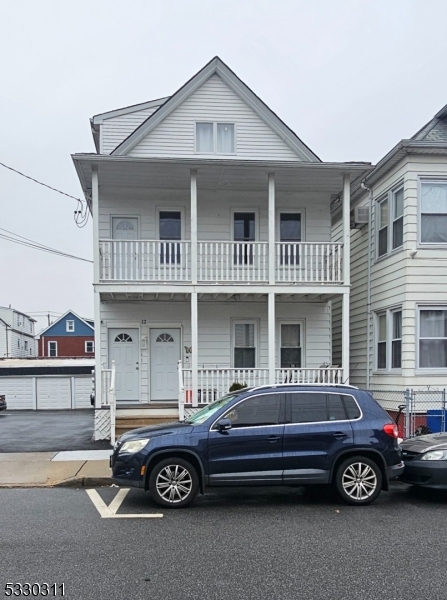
<point>425,459</point>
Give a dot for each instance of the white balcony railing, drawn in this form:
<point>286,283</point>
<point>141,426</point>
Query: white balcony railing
<point>220,262</point>
<point>214,383</point>
<point>308,263</point>
<point>145,260</point>
<point>233,261</point>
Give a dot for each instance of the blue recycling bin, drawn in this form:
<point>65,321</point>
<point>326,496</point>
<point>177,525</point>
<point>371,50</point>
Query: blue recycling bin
<point>434,420</point>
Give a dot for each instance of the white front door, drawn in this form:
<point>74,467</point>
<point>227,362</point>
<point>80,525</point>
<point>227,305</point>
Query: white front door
<point>124,350</point>
<point>125,251</point>
<point>165,354</point>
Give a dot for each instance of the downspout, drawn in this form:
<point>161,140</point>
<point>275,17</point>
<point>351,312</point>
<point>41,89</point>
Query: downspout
<point>368,287</point>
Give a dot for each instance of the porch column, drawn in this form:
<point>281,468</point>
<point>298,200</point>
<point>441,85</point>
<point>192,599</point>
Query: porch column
<point>345,336</point>
<point>271,337</point>
<point>194,348</point>
<point>194,228</point>
<point>346,230</point>
<point>271,230</point>
<point>97,299</point>
<point>347,275</point>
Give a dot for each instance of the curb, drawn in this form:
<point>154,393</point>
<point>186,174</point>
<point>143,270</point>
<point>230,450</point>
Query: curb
<point>70,483</point>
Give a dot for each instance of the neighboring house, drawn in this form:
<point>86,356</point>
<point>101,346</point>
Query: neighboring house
<point>16,334</point>
<point>399,267</point>
<point>68,336</point>
<point>212,246</point>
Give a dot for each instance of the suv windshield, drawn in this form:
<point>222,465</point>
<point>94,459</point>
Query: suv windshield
<point>202,415</point>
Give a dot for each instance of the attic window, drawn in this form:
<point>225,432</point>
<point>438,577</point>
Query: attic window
<point>215,138</point>
<point>70,326</point>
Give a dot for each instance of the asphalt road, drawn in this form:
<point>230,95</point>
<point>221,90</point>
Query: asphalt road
<point>48,431</point>
<point>266,543</point>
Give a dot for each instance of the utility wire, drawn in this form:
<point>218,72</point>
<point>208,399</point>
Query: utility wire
<point>37,246</point>
<point>81,214</point>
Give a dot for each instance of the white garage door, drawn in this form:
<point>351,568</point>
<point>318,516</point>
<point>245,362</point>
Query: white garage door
<point>83,389</point>
<point>18,392</point>
<point>53,392</point>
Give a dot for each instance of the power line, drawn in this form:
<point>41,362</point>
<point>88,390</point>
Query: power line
<point>37,246</point>
<point>81,214</point>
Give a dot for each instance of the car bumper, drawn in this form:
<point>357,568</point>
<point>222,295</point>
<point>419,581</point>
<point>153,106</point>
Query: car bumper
<point>126,470</point>
<point>395,471</point>
<point>3,406</point>
<point>432,474</point>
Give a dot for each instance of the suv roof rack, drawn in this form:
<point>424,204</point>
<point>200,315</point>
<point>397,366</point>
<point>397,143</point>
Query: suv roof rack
<point>276,385</point>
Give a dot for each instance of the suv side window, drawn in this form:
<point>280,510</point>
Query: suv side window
<point>255,411</point>
<point>308,407</point>
<point>335,407</point>
<point>352,408</point>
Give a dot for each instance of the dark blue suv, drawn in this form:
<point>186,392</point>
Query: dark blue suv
<point>270,435</point>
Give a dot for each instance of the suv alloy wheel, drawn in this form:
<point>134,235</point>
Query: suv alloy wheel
<point>358,480</point>
<point>173,482</point>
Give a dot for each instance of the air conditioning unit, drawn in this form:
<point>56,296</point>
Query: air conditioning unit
<point>361,215</point>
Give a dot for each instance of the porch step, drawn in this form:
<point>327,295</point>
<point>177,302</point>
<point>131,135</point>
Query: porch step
<point>127,423</point>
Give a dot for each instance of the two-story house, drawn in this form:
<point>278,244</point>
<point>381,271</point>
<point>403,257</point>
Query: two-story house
<point>398,312</point>
<point>67,336</point>
<point>213,259</point>
<point>16,334</point>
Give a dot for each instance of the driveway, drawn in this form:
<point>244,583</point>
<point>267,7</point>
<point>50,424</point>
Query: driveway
<point>48,431</point>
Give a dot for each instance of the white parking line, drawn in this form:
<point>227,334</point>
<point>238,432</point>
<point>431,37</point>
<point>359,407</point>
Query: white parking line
<point>109,512</point>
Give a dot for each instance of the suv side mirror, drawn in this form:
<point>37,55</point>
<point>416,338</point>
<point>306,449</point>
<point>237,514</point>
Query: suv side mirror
<point>223,425</point>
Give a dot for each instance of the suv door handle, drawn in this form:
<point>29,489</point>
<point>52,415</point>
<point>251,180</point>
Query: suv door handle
<point>339,435</point>
<point>273,438</point>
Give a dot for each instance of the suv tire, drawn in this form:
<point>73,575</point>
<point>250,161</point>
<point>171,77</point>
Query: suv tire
<point>358,480</point>
<point>173,482</point>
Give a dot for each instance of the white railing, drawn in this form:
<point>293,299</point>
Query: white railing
<point>308,263</point>
<point>220,262</point>
<point>214,383</point>
<point>106,375</point>
<point>319,375</point>
<point>232,261</point>
<point>145,260</point>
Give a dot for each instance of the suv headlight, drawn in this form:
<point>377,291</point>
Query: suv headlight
<point>133,446</point>
<point>435,455</point>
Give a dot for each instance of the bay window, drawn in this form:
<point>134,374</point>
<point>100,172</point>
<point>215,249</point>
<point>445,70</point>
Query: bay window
<point>432,337</point>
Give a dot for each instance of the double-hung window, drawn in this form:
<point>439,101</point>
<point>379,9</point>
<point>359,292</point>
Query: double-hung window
<point>89,347</point>
<point>433,212</point>
<point>215,138</point>
<point>70,326</point>
<point>290,345</point>
<point>389,339</point>
<point>432,337</point>
<point>52,349</point>
<point>390,222</point>
<point>244,345</point>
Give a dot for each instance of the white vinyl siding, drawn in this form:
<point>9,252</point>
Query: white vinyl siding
<point>214,102</point>
<point>116,129</point>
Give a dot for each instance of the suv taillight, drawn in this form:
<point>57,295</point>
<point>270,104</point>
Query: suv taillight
<point>391,430</point>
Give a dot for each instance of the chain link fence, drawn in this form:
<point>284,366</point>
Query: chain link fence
<point>416,412</point>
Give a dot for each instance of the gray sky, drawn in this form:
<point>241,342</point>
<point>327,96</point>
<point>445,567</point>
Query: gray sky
<point>351,77</point>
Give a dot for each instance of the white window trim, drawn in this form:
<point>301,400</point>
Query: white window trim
<point>57,353</point>
<point>215,123</point>
<point>426,370</point>
<point>67,326</point>
<point>388,195</point>
<point>123,218</point>
<point>302,324</point>
<point>298,211</point>
<point>255,211</point>
<point>254,322</point>
<point>420,243</point>
<point>93,346</point>
<point>388,312</point>
<point>180,209</point>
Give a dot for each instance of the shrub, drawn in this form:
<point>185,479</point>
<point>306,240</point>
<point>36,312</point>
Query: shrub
<point>235,386</point>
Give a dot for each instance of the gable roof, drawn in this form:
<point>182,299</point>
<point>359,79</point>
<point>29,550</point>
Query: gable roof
<point>69,312</point>
<point>217,67</point>
<point>435,130</point>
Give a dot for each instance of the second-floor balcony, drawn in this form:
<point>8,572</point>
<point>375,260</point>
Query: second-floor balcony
<point>220,262</point>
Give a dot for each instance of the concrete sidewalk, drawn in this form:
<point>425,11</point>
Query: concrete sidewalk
<point>55,469</point>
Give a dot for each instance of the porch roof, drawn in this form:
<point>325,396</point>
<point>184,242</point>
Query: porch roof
<point>215,174</point>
